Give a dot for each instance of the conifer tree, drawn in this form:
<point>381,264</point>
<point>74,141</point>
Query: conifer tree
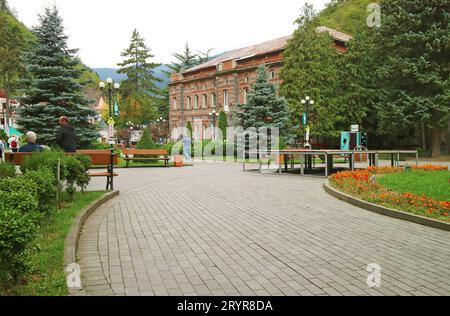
<point>264,109</point>
<point>185,60</point>
<point>414,72</point>
<point>139,70</point>
<point>309,70</point>
<point>53,89</point>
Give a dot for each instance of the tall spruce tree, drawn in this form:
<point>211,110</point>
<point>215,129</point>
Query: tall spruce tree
<point>310,70</point>
<point>414,72</point>
<point>264,107</point>
<point>138,68</point>
<point>140,92</point>
<point>53,90</point>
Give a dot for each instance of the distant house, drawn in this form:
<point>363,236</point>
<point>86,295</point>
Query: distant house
<point>221,83</point>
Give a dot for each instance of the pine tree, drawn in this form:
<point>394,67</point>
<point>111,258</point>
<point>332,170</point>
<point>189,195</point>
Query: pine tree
<point>53,90</point>
<point>223,124</point>
<point>414,73</point>
<point>264,109</point>
<point>185,60</point>
<point>139,70</point>
<point>146,141</point>
<point>310,70</point>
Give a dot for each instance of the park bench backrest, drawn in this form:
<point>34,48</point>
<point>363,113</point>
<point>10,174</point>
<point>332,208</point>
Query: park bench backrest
<point>98,157</point>
<point>153,152</point>
<point>16,158</point>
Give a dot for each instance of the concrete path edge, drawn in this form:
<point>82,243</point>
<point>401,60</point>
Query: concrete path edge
<point>72,238</point>
<point>385,210</point>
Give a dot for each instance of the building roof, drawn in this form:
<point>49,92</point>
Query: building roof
<point>264,48</point>
<point>254,50</point>
<point>102,105</point>
<point>339,36</point>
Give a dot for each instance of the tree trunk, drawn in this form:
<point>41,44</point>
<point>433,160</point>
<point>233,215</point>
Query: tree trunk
<point>435,142</point>
<point>424,136</point>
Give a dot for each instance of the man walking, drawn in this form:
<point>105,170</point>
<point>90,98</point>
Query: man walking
<point>66,137</point>
<point>187,147</point>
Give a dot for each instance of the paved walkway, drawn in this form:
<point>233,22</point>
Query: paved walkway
<point>215,230</point>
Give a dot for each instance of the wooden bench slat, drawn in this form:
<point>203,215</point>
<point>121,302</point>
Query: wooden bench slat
<point>103,174</point>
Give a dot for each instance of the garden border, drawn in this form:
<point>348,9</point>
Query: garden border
<point>385,210</point>
<point>72,238</point>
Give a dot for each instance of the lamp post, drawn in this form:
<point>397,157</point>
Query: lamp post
<point>212,118</point>
<point>110,86</point>
<point>160,121</point>
<point>307,102</point>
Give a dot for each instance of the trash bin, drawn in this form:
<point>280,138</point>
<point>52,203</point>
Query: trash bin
<point>178,161</point>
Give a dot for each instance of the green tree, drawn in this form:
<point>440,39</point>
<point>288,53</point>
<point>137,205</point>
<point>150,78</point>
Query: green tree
<point>264,107</point>
<point>223,124</point>
<point>140,93</point>
<point>414,73</point>
<point>185,60</point>
<point>139,70</point>
<point>189,127</point>
<point>146,141</point>
<point>4,7</point>
<point>53,89</point>
<point>310,70</point>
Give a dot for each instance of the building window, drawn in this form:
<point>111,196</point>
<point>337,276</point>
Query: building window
<point>272,74</point>
<point>245,95</point>
<point>213,100</point>
<point>175,105</point>
<point>226,106</point>
<point>196,102</point>
<point>205,101</point>
<point>188,105</point>
<point>246,79</point>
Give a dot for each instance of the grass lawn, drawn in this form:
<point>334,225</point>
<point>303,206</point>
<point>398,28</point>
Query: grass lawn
<point>434,184</point>
<point>47,277</point>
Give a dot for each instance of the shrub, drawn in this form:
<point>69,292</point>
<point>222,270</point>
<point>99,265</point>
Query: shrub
<point>48,159</point>
<point>45,181</point>
<point>7,170</point>
<point>99,145</point>
<point>17,231</point>
<point>146,141</point>
<point>77,167</point>
<point>19,194</point>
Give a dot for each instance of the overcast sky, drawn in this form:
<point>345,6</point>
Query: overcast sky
<point>101,29</point>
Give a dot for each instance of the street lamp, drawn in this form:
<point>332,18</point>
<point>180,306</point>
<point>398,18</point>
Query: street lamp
<point>305,120</point>
<point>160,122</point>
<point>110,88</point>
<point>212,118</point>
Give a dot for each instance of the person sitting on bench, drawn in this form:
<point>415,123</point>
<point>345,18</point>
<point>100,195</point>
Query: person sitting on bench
<point>31,145</point>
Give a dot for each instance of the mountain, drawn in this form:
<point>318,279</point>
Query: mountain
<point>105,73</point>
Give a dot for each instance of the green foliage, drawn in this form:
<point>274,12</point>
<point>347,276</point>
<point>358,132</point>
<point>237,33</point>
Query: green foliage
<point>223,124</point>
<point>53,89</point>
<point>19,194</point>
<point>414,79</point>
<point>189,127</point>
<point>48,159</point>
<point>17,231</point>
<point>99,145</point>
<point>146,141</point>
<point>7,170</point>
<point>185,60</point>
<point>310,70</point>
<point>45,181</point>
<point>348,16</point>
<point>264,109</point>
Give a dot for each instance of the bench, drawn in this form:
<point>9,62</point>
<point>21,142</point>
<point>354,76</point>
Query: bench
<point>161,154</point>
<point>98,158</point>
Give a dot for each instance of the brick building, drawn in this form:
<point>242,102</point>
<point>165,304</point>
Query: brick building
<point>223,82</point>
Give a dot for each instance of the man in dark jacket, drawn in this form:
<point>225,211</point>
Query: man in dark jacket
<point>66,137</point>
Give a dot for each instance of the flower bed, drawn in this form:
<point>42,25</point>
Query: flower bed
<point>363,184</point>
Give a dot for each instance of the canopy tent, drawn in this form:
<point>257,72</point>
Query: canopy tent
<point>10,131</point>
